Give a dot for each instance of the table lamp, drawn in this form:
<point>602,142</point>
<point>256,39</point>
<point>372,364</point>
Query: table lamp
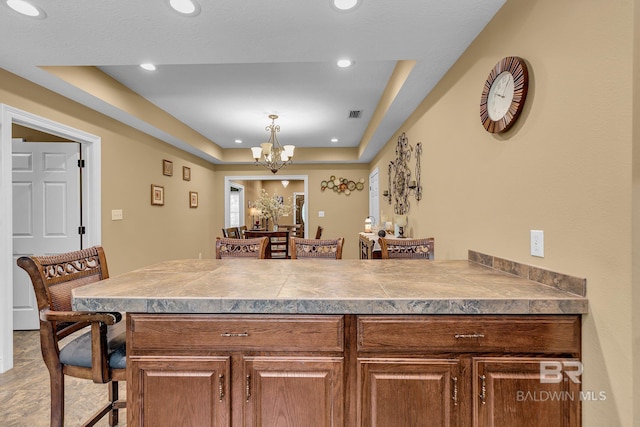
<point>367,224</point>
<point>254,212</point>
<point>401,222</point>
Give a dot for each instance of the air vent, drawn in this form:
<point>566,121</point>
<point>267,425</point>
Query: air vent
<point>355,114</point>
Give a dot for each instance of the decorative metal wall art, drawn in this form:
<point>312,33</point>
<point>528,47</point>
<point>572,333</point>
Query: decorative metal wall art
<point>401,183</point>
<point>342,185</point>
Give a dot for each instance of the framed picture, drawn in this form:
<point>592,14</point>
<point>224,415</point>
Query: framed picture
<point>157,195</point>
<point>186,173</point>
<point>167,167</point>
<point>193,199</point>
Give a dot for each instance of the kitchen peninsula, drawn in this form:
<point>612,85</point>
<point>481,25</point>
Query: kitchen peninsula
<point>340,343</point>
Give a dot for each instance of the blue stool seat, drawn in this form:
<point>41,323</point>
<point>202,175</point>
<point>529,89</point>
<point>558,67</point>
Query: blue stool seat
<point>78,351</point>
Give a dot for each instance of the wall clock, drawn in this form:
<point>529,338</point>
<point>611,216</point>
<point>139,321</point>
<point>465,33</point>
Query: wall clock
<point>504,93</point>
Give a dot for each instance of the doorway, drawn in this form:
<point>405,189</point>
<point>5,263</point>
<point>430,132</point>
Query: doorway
<point>228,180</point>
<point>90,194</point>
<point>234,216</point>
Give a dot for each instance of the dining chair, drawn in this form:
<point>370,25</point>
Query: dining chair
<point>233,233</point>
<point>278,244</point>
<point>319,232</point>
<point>295,230</point>
<point>241,230</point>
<point>316,248</point>
<point>98,353</point>
<point>227,247</point>
<point>366,247</point>
<point>407,248</point>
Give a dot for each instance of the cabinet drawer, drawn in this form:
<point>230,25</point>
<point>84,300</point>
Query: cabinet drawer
<point>234,332</point>
<point>512,334</point>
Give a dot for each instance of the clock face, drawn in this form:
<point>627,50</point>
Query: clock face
<point>500,96</point>
<point>504,93</point>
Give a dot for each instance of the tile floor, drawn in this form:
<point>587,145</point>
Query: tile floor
<point>24,390</point>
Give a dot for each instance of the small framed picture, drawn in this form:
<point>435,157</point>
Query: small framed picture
<point>193,199</point>
<point>186,173</point>
<point>167,167</point>
<point>157,195</point>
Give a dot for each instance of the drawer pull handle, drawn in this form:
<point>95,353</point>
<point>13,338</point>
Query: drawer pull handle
<point>458,336</point>
<point>221,386</point>
<point>234,334</point>
<point>483,389</point>
<point>455,390</point>
<point>248,387</point>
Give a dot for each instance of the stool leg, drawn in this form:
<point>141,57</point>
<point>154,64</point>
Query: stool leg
<point>113,397</point>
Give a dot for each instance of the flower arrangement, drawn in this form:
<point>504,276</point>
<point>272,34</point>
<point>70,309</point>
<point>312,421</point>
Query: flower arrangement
<point>273,207</point>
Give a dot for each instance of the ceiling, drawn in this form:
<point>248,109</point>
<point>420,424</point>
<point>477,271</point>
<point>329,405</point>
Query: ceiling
<point>222,72</point>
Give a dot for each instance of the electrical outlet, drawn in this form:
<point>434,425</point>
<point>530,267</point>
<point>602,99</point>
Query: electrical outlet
<point>116,215</point>
<point>537,243</point>
<point>320,214</point>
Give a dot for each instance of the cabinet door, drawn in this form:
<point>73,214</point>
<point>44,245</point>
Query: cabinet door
<point>408,392</point>
<point>293,391</point>
<point>511,391</point>
<point>177,391</point>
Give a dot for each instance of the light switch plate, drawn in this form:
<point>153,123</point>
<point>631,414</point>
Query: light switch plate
<point>116,215</point>
<point>320,214</point>
<point>537,243</point>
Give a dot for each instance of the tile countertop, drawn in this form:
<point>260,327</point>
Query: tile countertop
<point>325,287</point>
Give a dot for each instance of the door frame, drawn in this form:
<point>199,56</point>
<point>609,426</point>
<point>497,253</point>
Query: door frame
<point>374,211</point>
<point>90,149</point>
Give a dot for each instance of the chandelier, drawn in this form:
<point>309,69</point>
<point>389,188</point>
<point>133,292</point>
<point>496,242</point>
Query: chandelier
<point>272,154</point>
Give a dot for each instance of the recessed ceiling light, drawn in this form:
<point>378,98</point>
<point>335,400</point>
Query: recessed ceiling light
<point>185,7</point>
<point>238,141</point>
<point>148,67</point>
<point>26,8</point>
<point>344,63</point>
<point>345,4</point>
<point>334,139</point>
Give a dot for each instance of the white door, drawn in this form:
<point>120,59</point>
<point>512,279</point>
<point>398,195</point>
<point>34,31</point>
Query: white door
<point>46,213</point>
<point>374,197</point>
<point>235,214</point>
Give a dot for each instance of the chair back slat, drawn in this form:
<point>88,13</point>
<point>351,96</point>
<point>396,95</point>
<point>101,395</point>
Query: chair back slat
<point>55,276</point>
<point>316,248</point>
<point>227,247</point>
<point>407,248</point>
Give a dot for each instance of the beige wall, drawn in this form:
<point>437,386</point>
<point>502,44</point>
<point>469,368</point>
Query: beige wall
<point>565,168</point>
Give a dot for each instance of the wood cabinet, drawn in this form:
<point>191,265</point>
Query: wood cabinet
<point>467,371</point>
<point>408,392</point>
<point>349,370</point>
<point>197,370</point>
<point>511,393</point>
<point>293,391</point>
